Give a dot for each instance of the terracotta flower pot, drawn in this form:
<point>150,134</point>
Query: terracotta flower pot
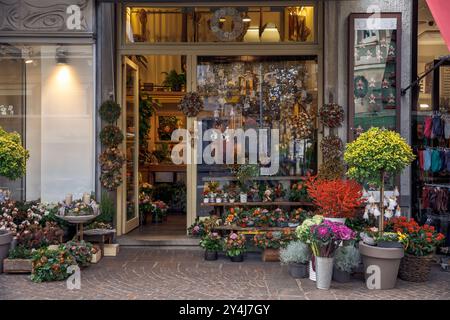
<point>386,259</point>
<point>6,238</point>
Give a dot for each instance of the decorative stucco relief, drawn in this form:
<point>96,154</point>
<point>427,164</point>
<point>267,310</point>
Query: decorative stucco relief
<point>43,15</point>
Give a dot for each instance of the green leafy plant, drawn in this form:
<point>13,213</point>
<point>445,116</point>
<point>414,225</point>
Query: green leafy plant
<point>174,80</point>
<point>295,252</point>
<point>107,209</point>
<point>243,173</point>
<point>13,156</point>
<point>347,258</point>
<point>110,111</point>
<point>20,252</point>
<point>374,154</point>
<point>51,265</point>
<point>147,108</point>
<point>211,242</point>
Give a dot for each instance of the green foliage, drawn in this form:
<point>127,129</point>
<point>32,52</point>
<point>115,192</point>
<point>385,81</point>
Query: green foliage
<point>82,252</point>
<point>347,258</point>
<point>295,252</point>
<point>212,242</point>
<point>107,209</point>
<point>174,80</point>
<point>13,156</point>
<point>51,265</point>
<point>110,111</point>
<point>376,151</point>
<point>20,252</point>
<point>146,110</point>
<point>243,173</point>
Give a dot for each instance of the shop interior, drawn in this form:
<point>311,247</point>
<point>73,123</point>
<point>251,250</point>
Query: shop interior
<point>431,124</point>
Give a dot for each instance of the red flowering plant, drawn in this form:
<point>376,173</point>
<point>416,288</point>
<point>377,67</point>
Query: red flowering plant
<point>235,244</point>
<point>420,240</point>
<point>335,198</point>
<point>273,239</point>
<point>260,216</point>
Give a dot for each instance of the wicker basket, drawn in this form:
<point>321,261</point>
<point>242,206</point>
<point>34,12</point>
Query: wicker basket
<point>414,268</point>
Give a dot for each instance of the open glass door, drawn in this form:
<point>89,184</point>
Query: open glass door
<point>130,87</point>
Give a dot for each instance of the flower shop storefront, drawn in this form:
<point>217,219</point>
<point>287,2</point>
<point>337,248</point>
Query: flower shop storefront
<point>253,67</point>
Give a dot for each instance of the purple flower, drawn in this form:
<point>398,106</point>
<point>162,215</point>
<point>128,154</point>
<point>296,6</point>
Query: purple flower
<point>233,236</point>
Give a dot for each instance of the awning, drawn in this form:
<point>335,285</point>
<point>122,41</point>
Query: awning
<point>440,9</point>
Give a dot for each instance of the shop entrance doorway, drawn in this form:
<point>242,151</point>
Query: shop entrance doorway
<point>154,190</point>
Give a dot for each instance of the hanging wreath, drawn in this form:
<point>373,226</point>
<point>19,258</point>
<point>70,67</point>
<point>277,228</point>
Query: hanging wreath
<point>191,104</point>
<point>331,115</point>
<point>111,162</point>
<point>110,111</point>
<point>361,86</point>
<point>111,136</point>
<point>332,148</point>
<point>301,125</point>
<point>238,24</point>
<point>331,170</point>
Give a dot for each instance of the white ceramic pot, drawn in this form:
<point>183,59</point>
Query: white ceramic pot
<point>205,200</point>
<point>341,220</point>
<point>243,197</point>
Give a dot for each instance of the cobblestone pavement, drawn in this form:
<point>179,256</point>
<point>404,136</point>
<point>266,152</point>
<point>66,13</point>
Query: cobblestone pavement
<point>168,273</point>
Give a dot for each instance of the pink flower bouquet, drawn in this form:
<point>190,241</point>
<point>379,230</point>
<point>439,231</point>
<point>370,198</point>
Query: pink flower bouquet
<point>327,236</point>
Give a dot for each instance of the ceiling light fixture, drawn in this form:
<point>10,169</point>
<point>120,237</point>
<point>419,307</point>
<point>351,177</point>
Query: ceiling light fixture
<point>61,55</point>
<point>246,18</point>
<point>26,55</point>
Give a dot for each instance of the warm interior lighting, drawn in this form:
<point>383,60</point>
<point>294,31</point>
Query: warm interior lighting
<point>246,18</point>
<point>252,35</point>
<point>62,74</point>
<point>223,19</point>
<point>28,61</point>
<point>424,106</point>
<point>270,33</point>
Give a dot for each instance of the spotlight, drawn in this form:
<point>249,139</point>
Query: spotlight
<point>61,56</point>
<point>26,55</point>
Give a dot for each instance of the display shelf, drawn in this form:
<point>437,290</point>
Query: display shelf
<point>250,229</point>
<point>260,178</point>
<point>258,204</point>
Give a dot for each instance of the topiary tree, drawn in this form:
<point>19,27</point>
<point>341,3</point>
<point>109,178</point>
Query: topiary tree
<point>374,154</point>
<point>13,156</point>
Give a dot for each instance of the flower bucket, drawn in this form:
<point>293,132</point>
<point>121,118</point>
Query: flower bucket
<point>298,270</point>
<point>312,273</point>
<point>324,272</point>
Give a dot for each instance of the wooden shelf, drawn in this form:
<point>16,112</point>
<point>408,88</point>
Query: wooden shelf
<point>260,178</point>
<point>250,229</point>
<point>257,204</point>
<point>165,167</point>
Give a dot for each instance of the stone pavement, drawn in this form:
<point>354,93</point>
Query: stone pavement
<point>181,273</point>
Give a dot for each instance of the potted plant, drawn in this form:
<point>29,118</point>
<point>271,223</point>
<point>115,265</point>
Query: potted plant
<point>296,216</point>
<point>370,157</point>
<point>197,229</point>
<point>298,192</point>
<point>243,173</point>
<point>235,247</point>
<point>337,199</point>
<point>18,261</point>
<point>325,238</point>
<point>296,256</point>
<point>159,210</point>
<point>420,243</point>
<point>282,219</point>
<point>174,80</point>
<point>212,243</point>
<point>303,233</point>
<point>279,192</point>
<point>346,260</point>
<point>82,252</point>
<point>271,242</point>
<point>51,265</point>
